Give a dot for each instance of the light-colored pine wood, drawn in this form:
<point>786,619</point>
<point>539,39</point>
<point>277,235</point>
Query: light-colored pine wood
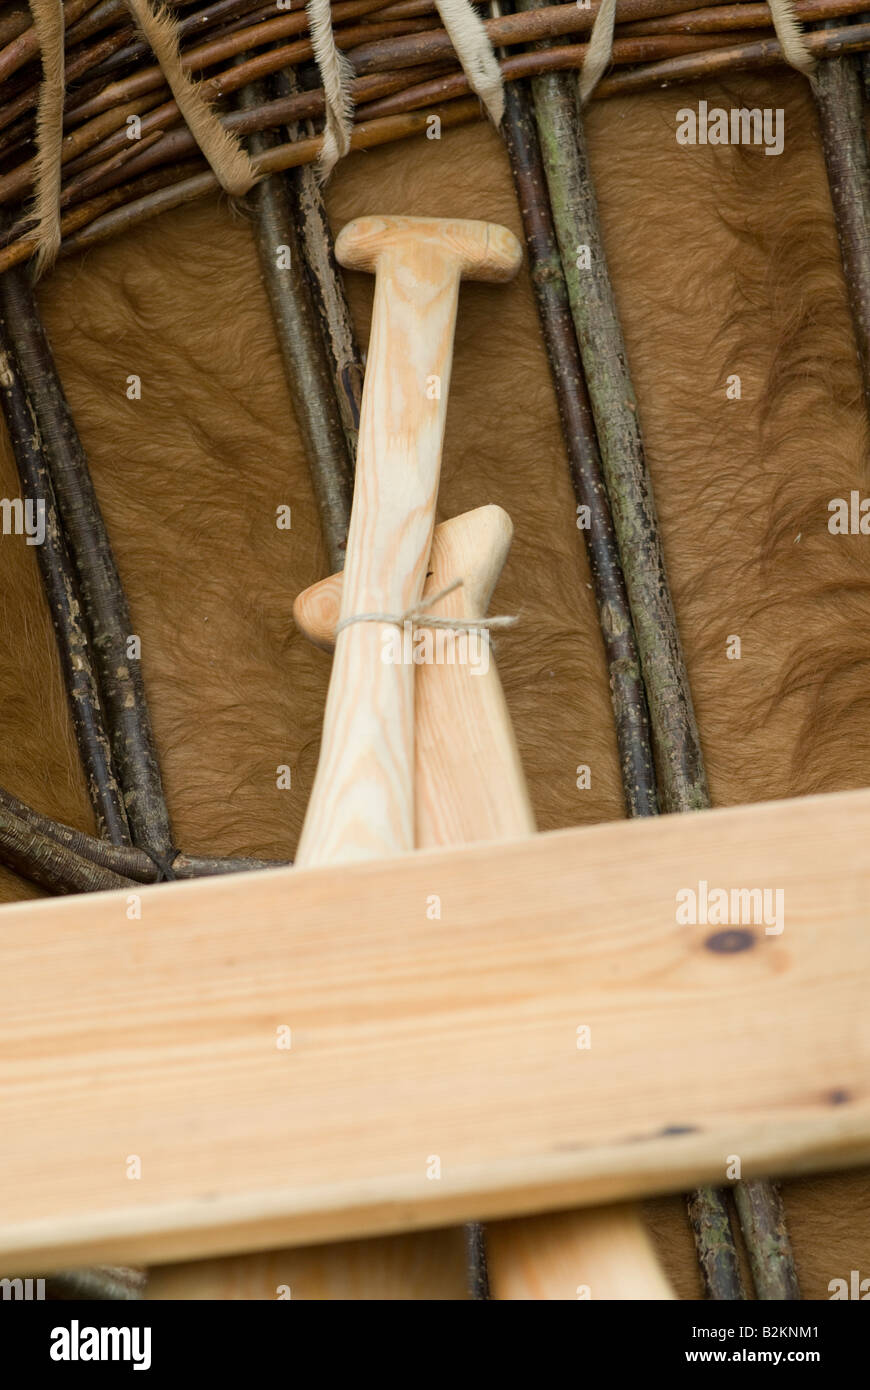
<point>420,1266</point>
<point>469,782</point>
<point>416,1035</point>
<point>603,1253</point>
<point>470,786</point>
<point>474,547</point>
<point>362,801</point>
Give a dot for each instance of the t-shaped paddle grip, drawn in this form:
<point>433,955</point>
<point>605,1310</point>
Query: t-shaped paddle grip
<point>480,250</point>
<point>362,802</point>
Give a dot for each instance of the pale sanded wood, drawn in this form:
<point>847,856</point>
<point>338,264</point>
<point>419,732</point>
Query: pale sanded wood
<point>469,782</point>
<point>473,547</point>
<point>416,1036</point>
<point>470,786</point>
<point>602,1253</point>
<point>362,801</point>
<point>420,1266</point>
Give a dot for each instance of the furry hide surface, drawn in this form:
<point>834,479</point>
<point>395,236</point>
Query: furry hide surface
<point>725,263</point>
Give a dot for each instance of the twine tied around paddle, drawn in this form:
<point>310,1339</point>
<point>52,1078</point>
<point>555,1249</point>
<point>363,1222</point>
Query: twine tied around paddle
<point>419,613</point>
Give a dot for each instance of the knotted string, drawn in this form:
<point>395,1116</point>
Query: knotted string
<point>419,614</point>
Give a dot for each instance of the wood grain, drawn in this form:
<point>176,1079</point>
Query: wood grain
<point>418,1266</point>
<point>362,801</point>
<point>470,786</point>
<point>416,1036</point>
<point>469,782</point>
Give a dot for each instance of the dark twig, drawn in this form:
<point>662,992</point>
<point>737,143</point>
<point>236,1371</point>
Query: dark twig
<point>762,1218</point>
<point>61,589</point>
<point>680,768</point>
<point>327,286</point>
<point>837,89</point>
<point>105,606</point>
<point>475,1261</point>
<point>126,860</point>
<point>714,1243</point>
<point>44,861</point>
<point>302,350</point>
<point>578,432</point>
<point>100,1283</point>
<point>682,780</point>
<point>207,866</point>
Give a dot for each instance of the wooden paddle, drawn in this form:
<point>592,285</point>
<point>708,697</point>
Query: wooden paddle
<point>470,786</point>
<point>362,802</point>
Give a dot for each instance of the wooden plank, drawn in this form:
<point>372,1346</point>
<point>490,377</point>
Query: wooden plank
<point>414,1038</point>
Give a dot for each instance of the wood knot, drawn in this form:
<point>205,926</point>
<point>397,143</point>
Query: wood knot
<point>727,942</point>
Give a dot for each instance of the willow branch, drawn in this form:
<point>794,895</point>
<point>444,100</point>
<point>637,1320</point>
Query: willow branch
<point>762,1218</point>
<point>105,606</point>
<point>44,861</point>
<point>174,141</point>
<point>567,57</point>
<point>58,573</point>
<point>714,1243</point>
<point>682,780</point>
<point>306,367</point>
<point>327,285</point>
<point>584,460</point>
<point>26,46</point>
<point>837,88</point>
<point>130,206</point>
<point>763,53</point>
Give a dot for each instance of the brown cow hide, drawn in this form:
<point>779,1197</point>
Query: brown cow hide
<point>725,262</point>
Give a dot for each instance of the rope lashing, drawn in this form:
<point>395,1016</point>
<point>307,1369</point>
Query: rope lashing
<point>470,41</point>
<point>600,48</point>
<point>48,21</point>
<point>475,53</point>
<point>420,614</point>
<point>791,36</point>
<point>788,31</point>
<point>229,161</point>
<point>336,75</point>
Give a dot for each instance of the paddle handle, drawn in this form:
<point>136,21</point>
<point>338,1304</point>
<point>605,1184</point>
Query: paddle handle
<point>362,801</point>
<point>471,786</point>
